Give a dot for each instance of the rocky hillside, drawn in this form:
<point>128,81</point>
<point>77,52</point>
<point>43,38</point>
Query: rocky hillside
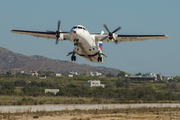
<point>10,61</point>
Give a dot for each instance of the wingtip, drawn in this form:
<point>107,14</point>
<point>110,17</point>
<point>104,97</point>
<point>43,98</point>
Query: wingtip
<point>12,31</point>
<point>166,36</point>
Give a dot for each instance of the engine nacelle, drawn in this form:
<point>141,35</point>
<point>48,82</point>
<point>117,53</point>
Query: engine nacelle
<point>61,37</point>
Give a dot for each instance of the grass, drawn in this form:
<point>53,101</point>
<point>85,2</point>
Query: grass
<point>26,100</point>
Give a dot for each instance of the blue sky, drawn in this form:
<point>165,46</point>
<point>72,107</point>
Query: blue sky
<point>134,16</point>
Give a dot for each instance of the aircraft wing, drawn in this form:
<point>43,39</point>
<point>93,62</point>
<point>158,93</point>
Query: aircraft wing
<point>46,34</point>
<point>129,38</point>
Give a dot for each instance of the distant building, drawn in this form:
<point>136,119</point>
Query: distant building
<point>89,74</point>
<point>34,73</point>
<point>93,74</point>
<point>147,77</point>
<point>97,74</point>
<point>56,75</point>
<point>52,90</point>
<point>167,78</point>
<point>74,73</point>
<point>43,77</point>
<point>93,83</point>
<point>20,72</point>
<point>70,75</point>
<point>150,75</point>
<point>159,77</point>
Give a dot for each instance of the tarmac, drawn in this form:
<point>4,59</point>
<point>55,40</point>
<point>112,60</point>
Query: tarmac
<point>60,107</point>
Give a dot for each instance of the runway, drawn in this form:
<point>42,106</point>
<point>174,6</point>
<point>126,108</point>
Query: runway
<point>60,107</point>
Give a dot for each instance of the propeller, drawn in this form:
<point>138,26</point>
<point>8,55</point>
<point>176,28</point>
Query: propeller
<point>58,32</point>
<point>110,35</point>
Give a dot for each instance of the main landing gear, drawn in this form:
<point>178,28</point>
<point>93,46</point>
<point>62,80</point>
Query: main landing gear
<point>73,57</point>
<point>99,59</point>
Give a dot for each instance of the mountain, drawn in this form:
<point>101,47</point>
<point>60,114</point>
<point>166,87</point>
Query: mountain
<point>14,62</point>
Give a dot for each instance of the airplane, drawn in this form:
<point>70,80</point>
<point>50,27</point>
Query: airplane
<point>88,45</point>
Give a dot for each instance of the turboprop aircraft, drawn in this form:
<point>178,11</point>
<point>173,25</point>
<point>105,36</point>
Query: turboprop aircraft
<point>88,45</point>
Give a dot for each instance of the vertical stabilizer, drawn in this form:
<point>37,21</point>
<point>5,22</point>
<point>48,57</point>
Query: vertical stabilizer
<point>100,56</point>
<point>100,45</point>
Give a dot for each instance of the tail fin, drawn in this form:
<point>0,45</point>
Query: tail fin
<point>100,44</point>
<point>100,56</point>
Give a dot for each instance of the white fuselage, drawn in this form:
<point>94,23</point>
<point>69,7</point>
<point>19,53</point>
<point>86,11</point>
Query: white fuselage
<point>85,45</point>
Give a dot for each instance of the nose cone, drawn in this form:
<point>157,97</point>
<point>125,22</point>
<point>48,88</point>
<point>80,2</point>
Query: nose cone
<point>73,33</point>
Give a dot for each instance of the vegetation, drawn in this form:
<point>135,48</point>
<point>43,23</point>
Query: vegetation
<point>117,90</point>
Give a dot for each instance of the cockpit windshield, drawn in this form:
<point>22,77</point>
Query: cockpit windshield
<point>84,28</point>
<point>79,27</point>
<point>74,27</point>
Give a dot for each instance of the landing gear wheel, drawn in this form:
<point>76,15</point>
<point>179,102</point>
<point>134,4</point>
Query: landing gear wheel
<point>100,59</point>
<point>74,58</point>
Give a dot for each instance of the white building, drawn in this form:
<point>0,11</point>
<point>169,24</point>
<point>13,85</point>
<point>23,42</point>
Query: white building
<point>93,83</point>
<point>89,74</point>
<point>20,72</point>
<point>150,75</point>
<point>52,90</point>
<point>70,75</point>
<point>56,75</point>
<point>93,74</point>
<point>97,74</point>
<point>74,73</point>
<point>34,73</point>
<point>43,77</point>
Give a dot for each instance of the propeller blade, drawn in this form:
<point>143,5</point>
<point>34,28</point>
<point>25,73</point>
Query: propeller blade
<point>49,31</point>
<point>117,29</point>
<point>59,22</point>
<point>58,32</point>
<point>56,41</point>
<point>106,27</point>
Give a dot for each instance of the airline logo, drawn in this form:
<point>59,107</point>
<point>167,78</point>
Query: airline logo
<point>100,46</point>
